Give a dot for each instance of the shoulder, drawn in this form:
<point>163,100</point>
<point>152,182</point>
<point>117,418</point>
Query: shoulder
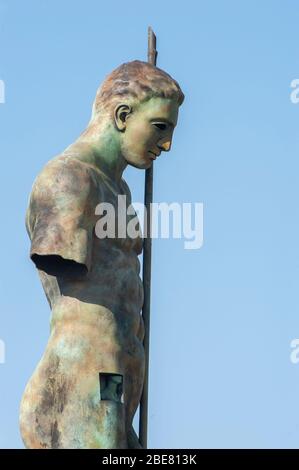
<point>63,174</point>
<point>64,184</point>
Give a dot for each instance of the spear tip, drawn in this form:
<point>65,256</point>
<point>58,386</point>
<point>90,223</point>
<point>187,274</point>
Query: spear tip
<point>152,43</point>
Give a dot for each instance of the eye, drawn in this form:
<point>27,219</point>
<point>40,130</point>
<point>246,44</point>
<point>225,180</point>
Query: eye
<point>160,125</point>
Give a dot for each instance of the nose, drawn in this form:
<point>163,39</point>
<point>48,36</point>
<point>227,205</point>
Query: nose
<point>165,146</point>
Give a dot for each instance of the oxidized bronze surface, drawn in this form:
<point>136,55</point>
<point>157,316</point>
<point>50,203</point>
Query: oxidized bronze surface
<point>93,285</point>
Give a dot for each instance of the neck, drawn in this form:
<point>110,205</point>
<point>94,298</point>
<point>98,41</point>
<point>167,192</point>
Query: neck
<point>103,140</point>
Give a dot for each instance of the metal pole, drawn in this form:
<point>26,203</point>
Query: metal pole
<point>146,275</point>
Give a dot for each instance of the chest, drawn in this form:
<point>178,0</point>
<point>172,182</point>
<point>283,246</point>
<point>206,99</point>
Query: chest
<point>117,220</point>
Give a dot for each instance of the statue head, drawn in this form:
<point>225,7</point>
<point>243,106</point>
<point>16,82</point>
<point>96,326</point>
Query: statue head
<point>140,102</point>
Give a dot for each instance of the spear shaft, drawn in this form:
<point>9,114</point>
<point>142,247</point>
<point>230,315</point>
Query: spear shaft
<point>146,274</point>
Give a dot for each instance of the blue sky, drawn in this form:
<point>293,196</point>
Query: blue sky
<point>222,316</point>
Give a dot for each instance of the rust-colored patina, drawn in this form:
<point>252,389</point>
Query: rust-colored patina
<point>92,284</point>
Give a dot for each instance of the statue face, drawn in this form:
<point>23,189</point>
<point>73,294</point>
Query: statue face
<point>146,131</point>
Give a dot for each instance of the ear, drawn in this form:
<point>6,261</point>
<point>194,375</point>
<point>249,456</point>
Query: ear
<point>121,113</point>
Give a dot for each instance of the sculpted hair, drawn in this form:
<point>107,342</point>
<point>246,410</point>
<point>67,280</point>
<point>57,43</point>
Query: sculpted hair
<point>135,82</point>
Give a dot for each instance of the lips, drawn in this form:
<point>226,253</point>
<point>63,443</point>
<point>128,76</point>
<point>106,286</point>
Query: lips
<point>153,155</point>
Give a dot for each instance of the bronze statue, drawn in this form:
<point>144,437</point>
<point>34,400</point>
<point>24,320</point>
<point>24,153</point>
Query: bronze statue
<point>87,386</point>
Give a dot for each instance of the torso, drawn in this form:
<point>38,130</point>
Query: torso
<point>113,281</point>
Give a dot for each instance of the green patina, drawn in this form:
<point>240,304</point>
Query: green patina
<point>93,285</point>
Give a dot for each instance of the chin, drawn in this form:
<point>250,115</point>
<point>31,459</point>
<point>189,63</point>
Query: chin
<point>140,164</point>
